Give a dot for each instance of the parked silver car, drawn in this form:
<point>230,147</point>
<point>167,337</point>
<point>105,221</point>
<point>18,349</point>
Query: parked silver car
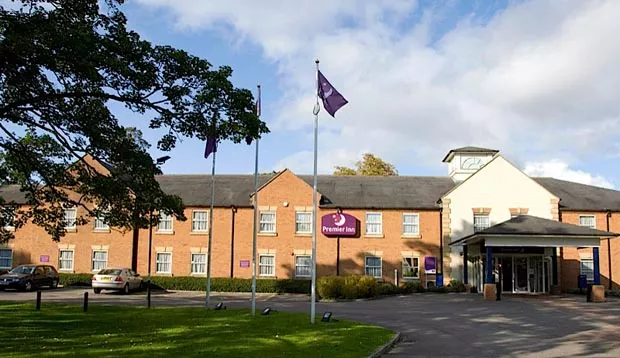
<point>118,279</point>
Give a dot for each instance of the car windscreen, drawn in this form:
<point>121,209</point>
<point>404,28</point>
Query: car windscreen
<point>20,270</point>
<point>113,272</point>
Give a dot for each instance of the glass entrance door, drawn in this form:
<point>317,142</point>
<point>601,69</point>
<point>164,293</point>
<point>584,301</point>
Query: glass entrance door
<point>507,276</point>
<point>521,274</point>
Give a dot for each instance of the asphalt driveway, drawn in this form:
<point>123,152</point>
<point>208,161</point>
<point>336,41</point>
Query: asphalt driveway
<point>432,325</point>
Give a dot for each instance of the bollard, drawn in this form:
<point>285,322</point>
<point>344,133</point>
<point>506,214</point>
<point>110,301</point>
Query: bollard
<point>38,300</point>
<point>85,301</point>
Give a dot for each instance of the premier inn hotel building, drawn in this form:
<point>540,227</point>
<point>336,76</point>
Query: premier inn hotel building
<point>486,214</point>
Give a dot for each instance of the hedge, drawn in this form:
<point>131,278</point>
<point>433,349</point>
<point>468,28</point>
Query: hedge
<point>218,284</point>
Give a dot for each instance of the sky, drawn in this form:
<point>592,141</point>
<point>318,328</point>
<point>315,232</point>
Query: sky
<point>536,80</point>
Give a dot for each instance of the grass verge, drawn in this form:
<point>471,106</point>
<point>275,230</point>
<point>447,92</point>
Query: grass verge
<point>64,330</point>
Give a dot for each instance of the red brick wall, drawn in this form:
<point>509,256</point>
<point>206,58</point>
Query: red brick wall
<point>570,260</point>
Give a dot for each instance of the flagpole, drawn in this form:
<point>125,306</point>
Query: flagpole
<point>314,201</point>
<point>255,214</point>
<point>211,224</point>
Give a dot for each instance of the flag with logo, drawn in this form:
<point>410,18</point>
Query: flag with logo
<point>211,146</point>
<point>332,99</point>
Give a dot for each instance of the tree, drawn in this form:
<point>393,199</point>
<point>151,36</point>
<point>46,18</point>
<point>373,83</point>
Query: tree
<point>63,63</point>
<point>370,165</point>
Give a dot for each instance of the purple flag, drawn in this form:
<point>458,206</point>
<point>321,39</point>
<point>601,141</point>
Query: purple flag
<point>332,99</point>
<point>211,146</point>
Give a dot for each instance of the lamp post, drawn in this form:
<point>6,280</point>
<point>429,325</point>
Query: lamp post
<point>159,161</point>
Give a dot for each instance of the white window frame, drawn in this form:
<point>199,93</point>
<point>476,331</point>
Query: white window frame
<point>194,263</point>
<point>403,263</point>
<point>590,270</point>
<point>157,262</point>
<point>11,219</point>
<point>72,251</point>
<point>206,222</point>
<point>487,216</point>
<point>161,217</point>
<point>366,267</point>
<point>380,223</point>
<point>100,224</point>
<point>10,259</point>
<point>93,260</point>
<point>261,222</point>
<point>417,232</point>
<point>65,220</point>
<point>298,222</point>
<point>304,266</point>
<point>260,265</point>
<point>593,217</point>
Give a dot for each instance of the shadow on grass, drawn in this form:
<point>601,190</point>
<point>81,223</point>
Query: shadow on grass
<point>111,331</point>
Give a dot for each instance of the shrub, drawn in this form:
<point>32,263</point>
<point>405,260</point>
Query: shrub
<point>413,287</point>
<point>389,288</point>
<point>367,287</point>
<point>330,287</point>
<point>350,288</point>
<point>218,284</point>
<point>456,286</point>
<point>436,289</point>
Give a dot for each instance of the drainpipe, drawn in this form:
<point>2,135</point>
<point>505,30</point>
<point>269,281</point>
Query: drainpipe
<point>233,211</point>
<point>441,240</point>
<point>609,249</point>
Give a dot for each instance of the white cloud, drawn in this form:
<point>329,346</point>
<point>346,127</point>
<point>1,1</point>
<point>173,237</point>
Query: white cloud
<point>558,169</point>
<point>539,79</point>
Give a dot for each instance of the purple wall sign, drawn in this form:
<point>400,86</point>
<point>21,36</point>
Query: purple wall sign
<point>339,224</point>
<point>44,258</point>
<point>430,265</point>
<point>244,263</point>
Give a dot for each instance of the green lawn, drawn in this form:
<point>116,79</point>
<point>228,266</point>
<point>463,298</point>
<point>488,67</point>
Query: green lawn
<point>64,330</point>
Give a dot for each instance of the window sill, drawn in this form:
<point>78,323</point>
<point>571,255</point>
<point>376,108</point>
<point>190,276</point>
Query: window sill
<point>102,231</point>
<point>71,230</point>
<point>66,270</point>
<point>9,228</point>
<point>303,277</point>
<point>303,234</point>
<point>411,237</point>
<point>198,274</point>
<point>265,276</point>
<point>411,279</point>
<point>272,234</point>
<point>199,233</point>
<point>164,274</point>
<point>374,236</point>
<point>164,232</point>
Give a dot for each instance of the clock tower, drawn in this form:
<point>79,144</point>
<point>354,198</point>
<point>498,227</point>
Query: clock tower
<point>463,162</point>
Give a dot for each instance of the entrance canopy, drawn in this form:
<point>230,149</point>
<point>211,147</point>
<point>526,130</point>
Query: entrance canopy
<point>532,231</point>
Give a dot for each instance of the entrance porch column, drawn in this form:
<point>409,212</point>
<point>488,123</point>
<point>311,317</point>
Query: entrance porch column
<point>465,264</point>
<point>490,290</point>
<point>554,266</point>
<point>597,271</point>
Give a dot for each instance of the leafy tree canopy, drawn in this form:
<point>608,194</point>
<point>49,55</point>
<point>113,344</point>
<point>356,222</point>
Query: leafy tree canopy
<point>370,165</point>
<point>64,66</point>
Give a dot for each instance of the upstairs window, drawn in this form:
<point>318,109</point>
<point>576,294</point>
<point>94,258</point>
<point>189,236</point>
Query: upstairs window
<point>587,221</point>
<point>481,222</point>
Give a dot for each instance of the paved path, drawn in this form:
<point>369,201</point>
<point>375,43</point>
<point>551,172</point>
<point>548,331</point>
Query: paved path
<point>434,325</point>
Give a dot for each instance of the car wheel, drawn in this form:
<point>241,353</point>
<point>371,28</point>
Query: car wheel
<point>126,289</point>
<point>54,283</point>
<point>28,286</point>
<point>97,290</point>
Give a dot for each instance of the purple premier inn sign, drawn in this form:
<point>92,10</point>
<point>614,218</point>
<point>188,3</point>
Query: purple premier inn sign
<point>339,224</point>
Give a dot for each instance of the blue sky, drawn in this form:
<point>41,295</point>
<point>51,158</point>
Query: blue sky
<point>421,78</point>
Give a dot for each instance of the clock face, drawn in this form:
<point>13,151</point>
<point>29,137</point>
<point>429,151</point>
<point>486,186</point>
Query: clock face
<point>471,163</point>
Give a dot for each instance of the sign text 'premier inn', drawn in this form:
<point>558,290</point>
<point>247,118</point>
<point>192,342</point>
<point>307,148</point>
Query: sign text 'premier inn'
<point>339,224</point>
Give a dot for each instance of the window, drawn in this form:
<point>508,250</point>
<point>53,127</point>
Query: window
<point>266,265</point>
<point>411,267</point>
<point>481,222</point>
<point>65,260</point>
<point>9,216</point>
<point>6,258</point>
<point>199,264</point>
<point>163,262</point>
<point>303,266</point>
<point>70,218</point>
<point>200,221</point>
<point>587,221</point>
<point>587,268</point>
<point>373,266</point>
<point>100,224</point>
<point>165,223</point>
<point>374,225</point>
<point>100,260</point>
<point>303,222</point>
<point>411,224</point>
<point>267,222</point>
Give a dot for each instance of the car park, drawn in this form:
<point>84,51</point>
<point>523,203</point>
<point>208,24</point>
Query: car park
<point>118,279</point>
<point>29,277</point>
